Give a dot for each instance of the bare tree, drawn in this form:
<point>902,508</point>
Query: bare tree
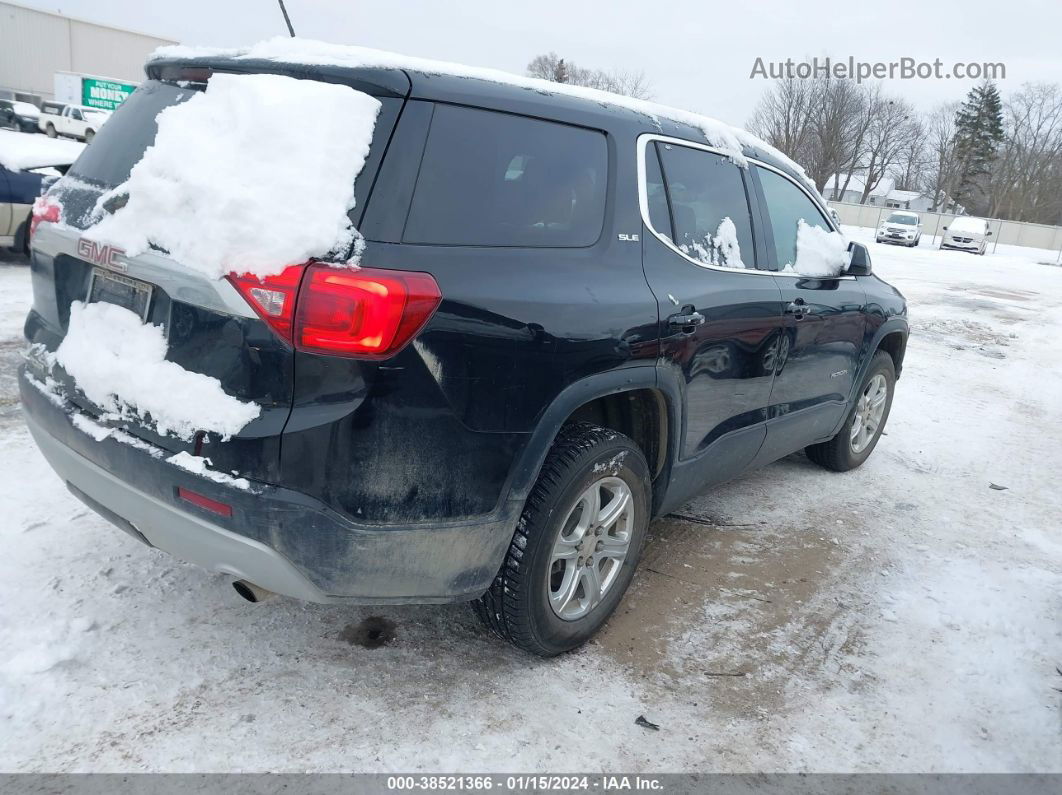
<point>912,160</point>
<point>940,156</point>
<point>552,67</point>
<point>836,121</point>
<point>870,100</point>
<point>549,66</point>
<point>784,117</point>
<point>1026,179</point>
<point>890,131</point>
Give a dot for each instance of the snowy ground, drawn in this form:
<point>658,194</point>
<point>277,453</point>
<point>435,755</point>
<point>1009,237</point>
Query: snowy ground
<point>903,617</point>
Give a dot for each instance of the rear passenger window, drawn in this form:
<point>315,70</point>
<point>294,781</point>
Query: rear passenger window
<point>787,205</point>
<point>656,195</point>
<point>494,179</point>
<point>709,209</point>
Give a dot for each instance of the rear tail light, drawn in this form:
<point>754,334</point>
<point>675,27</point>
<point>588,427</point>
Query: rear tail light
<point>46,210</point>
<point>273,298</point>
<point>365,312</point>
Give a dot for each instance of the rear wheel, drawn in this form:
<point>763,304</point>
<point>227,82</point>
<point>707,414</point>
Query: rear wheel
<point>576,546</point>
<point>866,420</point>
<point>50,129</point>
<point>89,135</point>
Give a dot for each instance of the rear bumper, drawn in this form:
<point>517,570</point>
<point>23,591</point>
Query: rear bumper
<point>276,538</point>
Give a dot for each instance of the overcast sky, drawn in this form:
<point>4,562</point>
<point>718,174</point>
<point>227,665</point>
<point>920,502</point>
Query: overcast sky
<point>697,55</point>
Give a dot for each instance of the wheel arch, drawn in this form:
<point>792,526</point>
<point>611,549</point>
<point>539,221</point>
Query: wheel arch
<point>894,343</point>
<point>628,400</point>
<point>890,337</point>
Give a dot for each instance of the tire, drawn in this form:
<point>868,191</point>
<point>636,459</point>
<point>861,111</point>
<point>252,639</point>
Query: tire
<point>50,130</point>
<point>518,606</point>
<point>89,135</point>
<point>841,453</point>
<point>22,238</point>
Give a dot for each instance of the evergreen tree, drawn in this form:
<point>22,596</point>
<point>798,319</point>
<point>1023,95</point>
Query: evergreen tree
<point>978,134</point>
<point>560,72</point>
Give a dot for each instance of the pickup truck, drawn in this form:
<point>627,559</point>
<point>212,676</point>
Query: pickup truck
<point>76,121</point>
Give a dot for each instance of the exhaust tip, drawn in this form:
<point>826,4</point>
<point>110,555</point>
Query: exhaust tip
<point>251,592</point>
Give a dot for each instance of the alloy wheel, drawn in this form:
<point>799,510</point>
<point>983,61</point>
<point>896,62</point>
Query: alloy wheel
<point>869,410</point>
<point>591,547</point>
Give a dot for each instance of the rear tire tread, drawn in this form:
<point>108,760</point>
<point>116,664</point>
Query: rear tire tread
<point>498,608</point>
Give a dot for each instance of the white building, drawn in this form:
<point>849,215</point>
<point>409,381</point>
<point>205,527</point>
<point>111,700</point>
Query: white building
<point>37,46</point>
<point>884,194</point>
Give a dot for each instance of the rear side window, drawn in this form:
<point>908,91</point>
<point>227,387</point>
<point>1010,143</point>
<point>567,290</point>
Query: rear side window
<point>656,195</point>
<point>494,179</point>
<point>787,205</point>
<point>709,208</point>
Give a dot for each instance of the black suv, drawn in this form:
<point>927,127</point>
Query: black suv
<point>560,360</point>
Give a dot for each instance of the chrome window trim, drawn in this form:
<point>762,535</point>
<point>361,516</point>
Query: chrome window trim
<point>643,204</point>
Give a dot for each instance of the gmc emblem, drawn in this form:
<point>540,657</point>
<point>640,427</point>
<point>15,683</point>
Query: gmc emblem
<point>101,254</point>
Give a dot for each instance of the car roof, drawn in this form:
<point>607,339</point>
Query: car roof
<point>417,78</point>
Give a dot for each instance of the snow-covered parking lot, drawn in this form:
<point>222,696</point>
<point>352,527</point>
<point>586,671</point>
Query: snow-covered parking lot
<point>906,616</point>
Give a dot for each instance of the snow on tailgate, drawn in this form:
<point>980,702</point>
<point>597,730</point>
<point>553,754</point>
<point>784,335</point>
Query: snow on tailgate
<point>120,364</point>
<point>252,175</point>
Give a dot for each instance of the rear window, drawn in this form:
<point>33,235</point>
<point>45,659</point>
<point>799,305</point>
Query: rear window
<point>120,143</point>
<point>494,179</point>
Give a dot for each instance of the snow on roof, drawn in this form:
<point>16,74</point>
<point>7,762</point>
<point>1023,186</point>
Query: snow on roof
<point>903,212</point>
<point>858,183</point>
<point>885,189</point>
<point>967,223</point>
<point>903,195</point>
<point>731,140</point>
<point>20,151</point>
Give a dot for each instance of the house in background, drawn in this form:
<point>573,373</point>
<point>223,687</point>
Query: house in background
<point>884,194</point>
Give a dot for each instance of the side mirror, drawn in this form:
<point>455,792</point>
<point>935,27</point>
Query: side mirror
<point>859,260</point>
<point>990,233</point>
<point>945,228</point>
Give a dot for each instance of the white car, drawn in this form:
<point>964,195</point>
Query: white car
<point>967,234</point>
<point>901,227</point>
<point>76,121</point>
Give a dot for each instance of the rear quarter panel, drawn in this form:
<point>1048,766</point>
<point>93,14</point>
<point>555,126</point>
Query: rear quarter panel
<point>434,434</point>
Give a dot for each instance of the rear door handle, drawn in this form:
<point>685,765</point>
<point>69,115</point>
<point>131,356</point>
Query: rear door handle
<point>687,319</point>
<point>797,307</point>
